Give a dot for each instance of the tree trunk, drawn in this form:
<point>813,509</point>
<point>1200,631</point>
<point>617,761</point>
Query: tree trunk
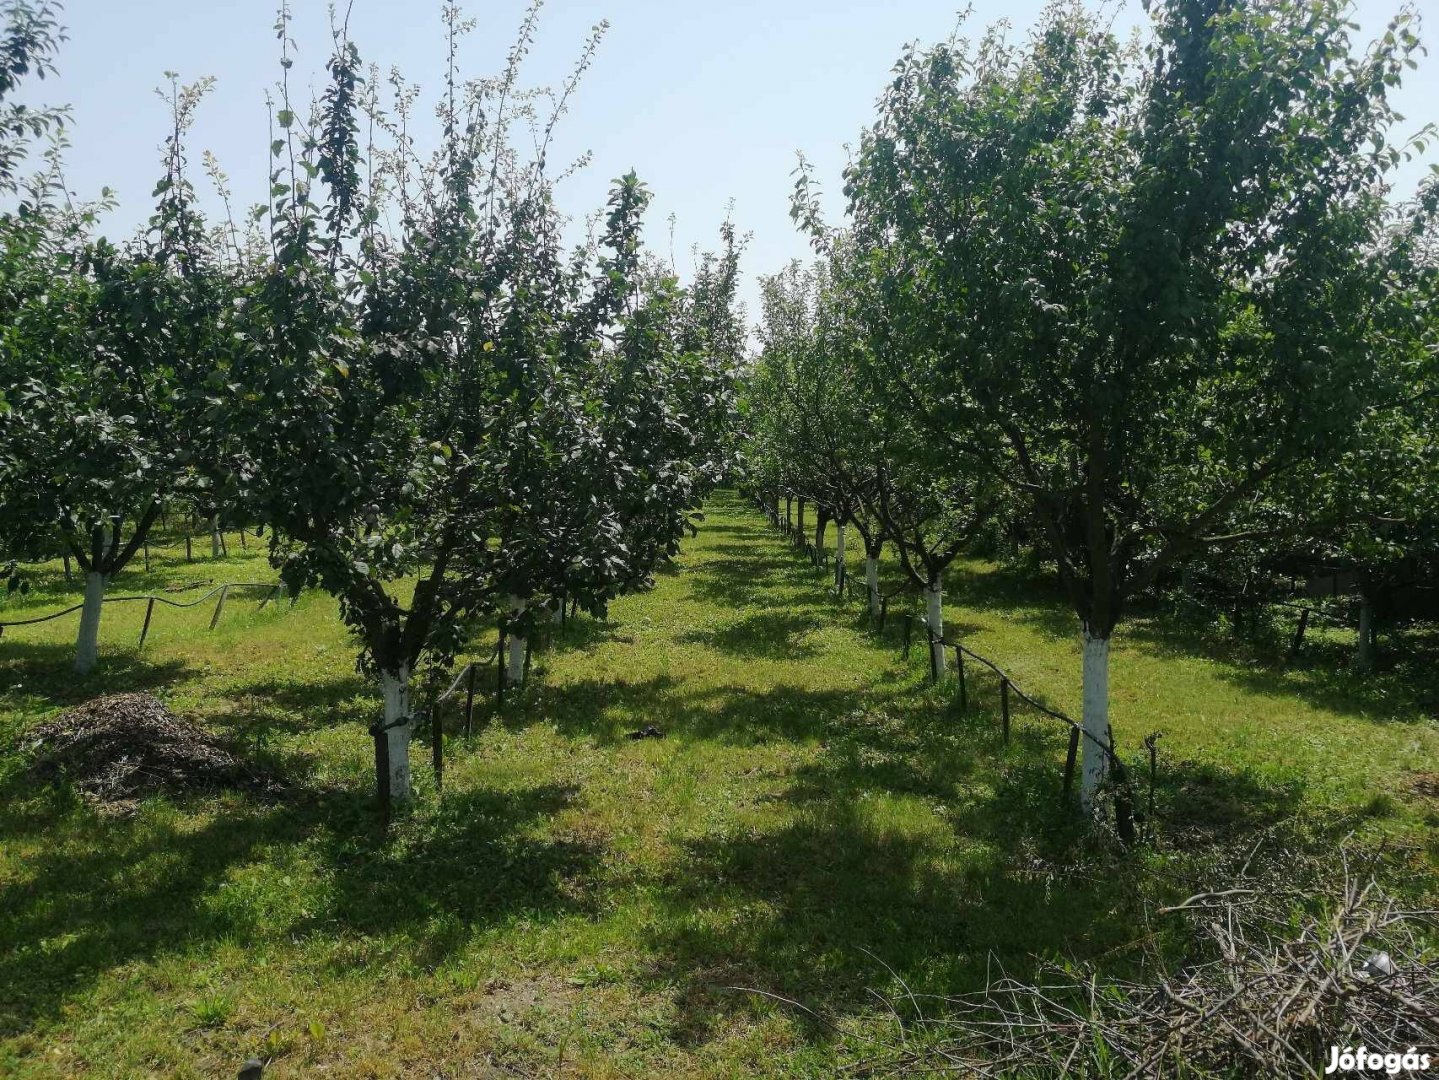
<point>1096,717</point>
<point>1366,632</point>
<point>515,667</point>
<point>839,556</point>
<point>871,580</point>
<point>934,619</point>
<point>87,643</point>
<point>214,536</point>
<point>395,687</point>
<point>788,508</point>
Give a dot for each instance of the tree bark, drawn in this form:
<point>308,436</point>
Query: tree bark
<point>395,688</point>
<point>839,555</point>
<point>934,619</point>
<point>871,580</point>
<point>515,666</point>
<point>87,642</point>
<point>1096,717</point>
<point>214,536</point>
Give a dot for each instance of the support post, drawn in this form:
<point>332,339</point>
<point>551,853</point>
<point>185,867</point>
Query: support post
<point>470,701</point>
<point>1069,762</point>
<point>145,626</point>
<point>1298,635</point>
<point>219,606</point>
<point>437,745</point>
<point>500,672</point>
<point>382,773</point>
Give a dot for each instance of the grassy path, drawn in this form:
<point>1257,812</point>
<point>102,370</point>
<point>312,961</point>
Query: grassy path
<point>815,822</point>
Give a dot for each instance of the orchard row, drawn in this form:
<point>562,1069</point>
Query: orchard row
<point>1148,312</point>
<point>443,413</point>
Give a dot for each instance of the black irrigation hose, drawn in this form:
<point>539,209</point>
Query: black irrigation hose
<point>152,599</point>
<point>1007,680</point>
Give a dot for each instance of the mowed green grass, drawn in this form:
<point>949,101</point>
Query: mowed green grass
<point>816,823</point>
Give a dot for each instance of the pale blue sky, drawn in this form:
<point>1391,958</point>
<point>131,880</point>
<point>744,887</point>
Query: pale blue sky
<point>708,102</point>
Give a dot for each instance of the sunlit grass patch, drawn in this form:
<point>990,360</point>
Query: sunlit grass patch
<point>815,822</point>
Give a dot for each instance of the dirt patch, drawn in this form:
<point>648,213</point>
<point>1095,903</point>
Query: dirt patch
<point>1425,785</point>
<point>119,748</point>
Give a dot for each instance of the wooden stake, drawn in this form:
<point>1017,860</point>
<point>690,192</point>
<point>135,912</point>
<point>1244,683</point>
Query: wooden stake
<point>1070,760</point>
<point>1298,635</point>
<point>219,606</point>
<point>145,627</point>
<point>382,774</point>
<point>437,745</point>
<point>470,701</point>
<point>500,672</point>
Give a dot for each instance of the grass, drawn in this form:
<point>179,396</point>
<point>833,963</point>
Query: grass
<point>817,824</point>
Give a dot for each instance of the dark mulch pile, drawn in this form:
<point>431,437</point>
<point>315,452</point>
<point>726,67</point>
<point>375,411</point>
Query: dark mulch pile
<point>121,747</point>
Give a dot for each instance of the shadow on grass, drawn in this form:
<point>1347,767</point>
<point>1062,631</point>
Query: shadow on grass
<point>43,670</point>
<point>607,709</point>
<point>270,706</point>
<point>1403,686</point>
<point>1033,600</point>
<point>746,581</point>
<point>858,893</point>
<point>773,635</point>
<point>118,890</point>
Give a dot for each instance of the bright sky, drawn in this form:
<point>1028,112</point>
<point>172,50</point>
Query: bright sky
<point>707,102</point>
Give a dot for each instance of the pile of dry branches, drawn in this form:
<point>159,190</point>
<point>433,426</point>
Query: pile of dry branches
<point>120,747</point>
<point>1273,995</point>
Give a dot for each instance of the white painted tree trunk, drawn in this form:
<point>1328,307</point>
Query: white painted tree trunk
<point>1096,717</point>
<point>1366,632</point>
<point>934,618</point>
<point>87,642</point>
<point>395,687</point>
<point>214,536</point>
<point>515,668</point>
<point>871,581</point>
<point>839,555</point>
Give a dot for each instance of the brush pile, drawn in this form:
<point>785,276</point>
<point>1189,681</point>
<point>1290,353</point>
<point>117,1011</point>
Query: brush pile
<point>122,747</point>
<point>1272,993</point>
